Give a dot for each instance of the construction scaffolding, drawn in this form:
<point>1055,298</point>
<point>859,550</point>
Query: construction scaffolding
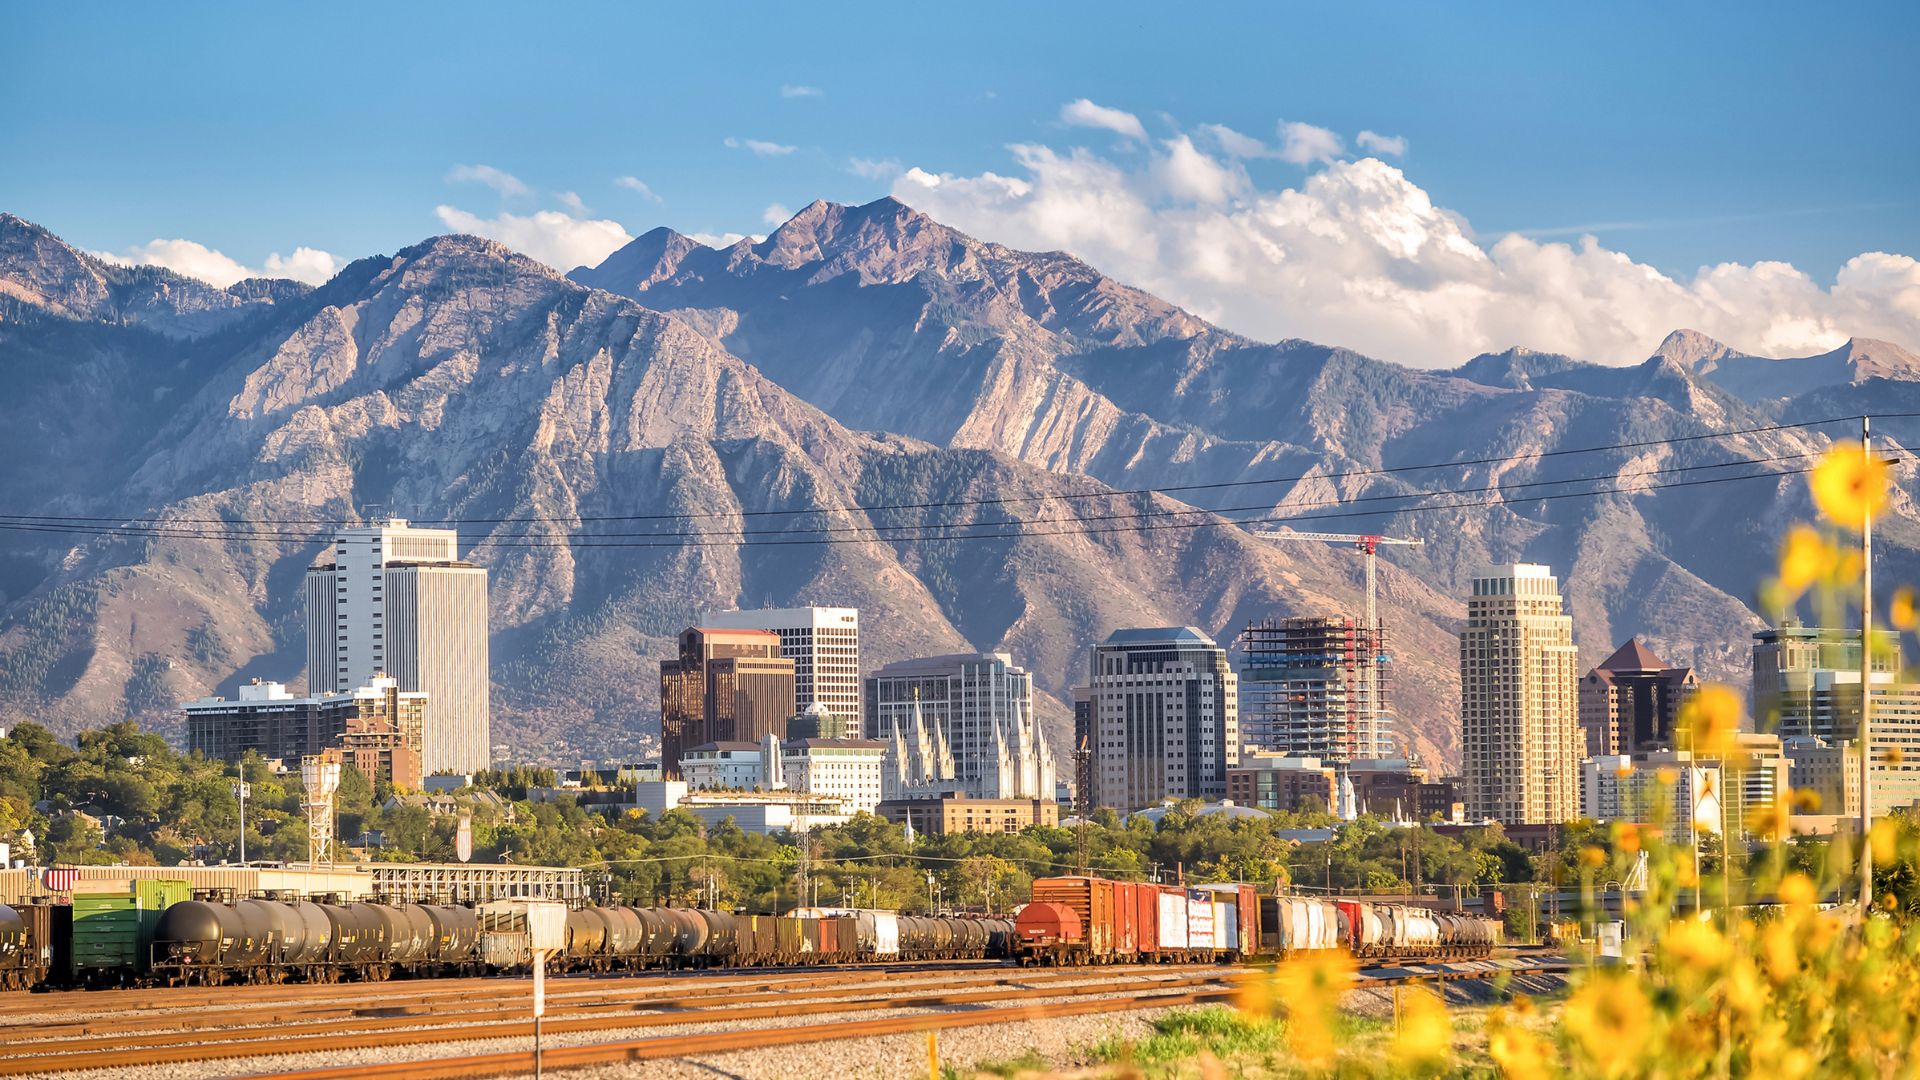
<point>1313,687</point>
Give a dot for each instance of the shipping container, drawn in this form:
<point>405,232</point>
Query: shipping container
<point>113,924</point>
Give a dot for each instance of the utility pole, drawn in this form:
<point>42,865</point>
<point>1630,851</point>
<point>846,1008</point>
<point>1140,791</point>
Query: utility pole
<point>1866,684</point>
<point>242,789</point>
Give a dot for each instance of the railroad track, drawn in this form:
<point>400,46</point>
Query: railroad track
<point>174,1047</point>
<point>229,1011</point>
<point>982,997</point>
<point>42,1003</point>
<point>515,1062</point>
<point>247,1029</point>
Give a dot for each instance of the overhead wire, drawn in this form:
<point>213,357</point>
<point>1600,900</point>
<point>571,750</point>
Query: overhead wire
<point>167,527</point>
<point>1009,528</point>
<point>1016,499</point>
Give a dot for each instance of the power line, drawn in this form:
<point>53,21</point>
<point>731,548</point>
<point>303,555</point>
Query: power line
<point>1145,526</point>
<point>240,531</point>
<point>1010,500</point>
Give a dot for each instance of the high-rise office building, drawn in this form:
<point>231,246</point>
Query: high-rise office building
<point>1519,711</point>
<point>724,686</point>
<point>391,598</point>
<point>1304,689</point>
<point>1630,702</point>
<point>981,706</point>
<point>1166,714</point>
<point>824,645</point>
<point>1806,682</point>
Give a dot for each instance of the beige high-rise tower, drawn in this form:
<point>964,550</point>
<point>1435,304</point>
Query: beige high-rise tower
<point>1519,703</point>
<point>395,599</point>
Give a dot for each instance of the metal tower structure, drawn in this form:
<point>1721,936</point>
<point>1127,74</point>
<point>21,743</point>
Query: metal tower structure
<point>1369,544</point>
<point>320,774</point>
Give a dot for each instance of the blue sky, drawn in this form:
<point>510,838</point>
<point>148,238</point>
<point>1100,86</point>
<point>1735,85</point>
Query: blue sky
<point>1679,135</point>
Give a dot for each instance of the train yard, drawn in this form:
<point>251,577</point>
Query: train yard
<point>482,1026</point>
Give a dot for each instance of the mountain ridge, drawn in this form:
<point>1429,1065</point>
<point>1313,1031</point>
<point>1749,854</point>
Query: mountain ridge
<point>855,357</point>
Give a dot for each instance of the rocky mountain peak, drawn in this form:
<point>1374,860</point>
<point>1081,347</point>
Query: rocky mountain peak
<point>884,240</point>
<point>647,260</point>
<point>1691,348</point>
<point>40,269</point>
<point>1871,358</point>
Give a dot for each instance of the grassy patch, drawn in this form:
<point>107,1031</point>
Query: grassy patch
<point>1181,1036</point>
<point>1030,1062</point>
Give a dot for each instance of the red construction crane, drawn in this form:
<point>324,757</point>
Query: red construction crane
<point>1368,543</point>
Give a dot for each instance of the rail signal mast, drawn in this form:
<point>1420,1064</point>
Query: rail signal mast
<point>1368,544</point>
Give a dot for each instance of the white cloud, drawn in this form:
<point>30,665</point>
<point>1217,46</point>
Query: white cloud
<point>573,202</point>
<point>560,240</point>
<point>1185,173</point>
<point>883,169</point>
<point>760,147</point>
<point>507,184</point>
<point>775,214</point>
<point>722,240</point>
<point>634,183</point>
<point>1084,113</point>
<point>1395,145</point>
<point>310,265</point>
<point>1359,255</point>
<point>791,91</point>
<point>1234,144</point>
<point>196,260</point>
<point>1304,144</point>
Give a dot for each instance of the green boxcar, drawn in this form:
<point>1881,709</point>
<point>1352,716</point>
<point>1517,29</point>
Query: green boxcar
<point>113,924</point>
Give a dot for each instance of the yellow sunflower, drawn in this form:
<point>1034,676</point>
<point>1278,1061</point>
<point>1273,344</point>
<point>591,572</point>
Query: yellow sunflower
<point>1902,611</point>
<point>1805,559</point>
<point>1849,484</point>
<point>1711,716</point>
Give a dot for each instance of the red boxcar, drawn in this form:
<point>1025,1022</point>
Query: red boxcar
<point>1090,898</point>
<point>1146,898</point>
<point>1126,930</point>
<point>1249,920</point>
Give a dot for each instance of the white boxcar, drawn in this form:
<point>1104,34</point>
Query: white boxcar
<point>1172,930</point>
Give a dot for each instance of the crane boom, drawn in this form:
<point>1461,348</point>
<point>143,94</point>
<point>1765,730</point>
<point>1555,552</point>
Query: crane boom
<point>1368,543</point>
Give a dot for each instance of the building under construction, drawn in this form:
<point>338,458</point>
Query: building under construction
<point>1314,687</point>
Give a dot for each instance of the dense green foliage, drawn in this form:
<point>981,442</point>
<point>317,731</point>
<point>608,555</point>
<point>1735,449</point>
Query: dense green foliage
<point>120,794</point>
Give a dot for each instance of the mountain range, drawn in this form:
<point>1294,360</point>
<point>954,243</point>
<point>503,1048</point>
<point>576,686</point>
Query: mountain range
<point>607,438</point>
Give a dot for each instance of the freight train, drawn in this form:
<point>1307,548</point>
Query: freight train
<point>1091,920</point>
<point>153,932</point>
<point>140,938</point>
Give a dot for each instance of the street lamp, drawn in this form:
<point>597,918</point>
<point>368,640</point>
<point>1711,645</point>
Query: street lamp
<point>242,789</point>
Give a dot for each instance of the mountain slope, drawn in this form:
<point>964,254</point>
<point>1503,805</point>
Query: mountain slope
<point>456,380</point>
<point>887,319</point>
<point>605,452</point>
